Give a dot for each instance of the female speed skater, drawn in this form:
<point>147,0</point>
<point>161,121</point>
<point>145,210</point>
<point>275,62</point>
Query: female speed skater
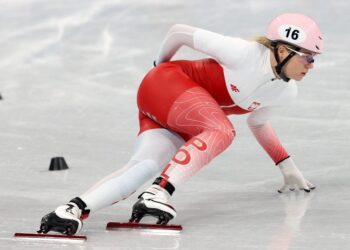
<point>183,108</point>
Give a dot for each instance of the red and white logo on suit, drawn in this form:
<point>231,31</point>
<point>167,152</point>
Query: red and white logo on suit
<point>254,106</point>
<point>234,88</point>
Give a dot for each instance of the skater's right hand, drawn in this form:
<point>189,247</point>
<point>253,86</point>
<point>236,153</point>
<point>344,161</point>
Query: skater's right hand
<point>293,177</point>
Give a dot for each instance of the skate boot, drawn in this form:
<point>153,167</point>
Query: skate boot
<point>66,219</point>
<point>154,202</point>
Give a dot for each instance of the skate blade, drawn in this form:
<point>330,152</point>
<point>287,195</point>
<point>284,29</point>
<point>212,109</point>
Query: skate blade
<point>50,237</point>
<point>143,226</point>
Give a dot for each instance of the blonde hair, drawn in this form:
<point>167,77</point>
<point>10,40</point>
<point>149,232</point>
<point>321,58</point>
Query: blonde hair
<point>264,41</point>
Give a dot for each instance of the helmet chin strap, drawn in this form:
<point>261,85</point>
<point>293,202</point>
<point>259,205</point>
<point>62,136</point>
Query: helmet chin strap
<point>280,65</point>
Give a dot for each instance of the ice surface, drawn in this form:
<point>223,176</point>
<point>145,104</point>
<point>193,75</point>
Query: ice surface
<point>69,71</point>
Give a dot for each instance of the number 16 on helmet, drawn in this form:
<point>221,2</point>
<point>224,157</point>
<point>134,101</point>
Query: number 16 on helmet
<point>296,29</point>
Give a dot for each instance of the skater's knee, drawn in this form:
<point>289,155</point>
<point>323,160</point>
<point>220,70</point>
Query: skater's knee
<point>225,133</point>
<point>226,136</point>
<point>230,135</point>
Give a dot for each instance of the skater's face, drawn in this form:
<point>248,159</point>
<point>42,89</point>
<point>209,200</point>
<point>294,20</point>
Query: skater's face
<point>299,65</point>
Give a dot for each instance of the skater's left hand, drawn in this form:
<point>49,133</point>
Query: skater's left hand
<point>293,177</point>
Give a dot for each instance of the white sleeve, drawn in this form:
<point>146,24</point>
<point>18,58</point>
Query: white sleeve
<point>260,116</point>
<point>178,35</point>
<point>230,51</point>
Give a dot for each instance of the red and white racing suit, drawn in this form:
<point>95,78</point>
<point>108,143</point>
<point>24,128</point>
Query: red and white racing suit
<point>184,106</point>
<point>193,99</point>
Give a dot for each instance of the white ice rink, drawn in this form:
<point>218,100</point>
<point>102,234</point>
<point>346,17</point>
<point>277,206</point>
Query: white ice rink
<point>69,72</point>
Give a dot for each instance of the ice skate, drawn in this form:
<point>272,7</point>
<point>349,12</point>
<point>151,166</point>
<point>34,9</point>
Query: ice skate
<point>66,219</point>
<point>154,202</point>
